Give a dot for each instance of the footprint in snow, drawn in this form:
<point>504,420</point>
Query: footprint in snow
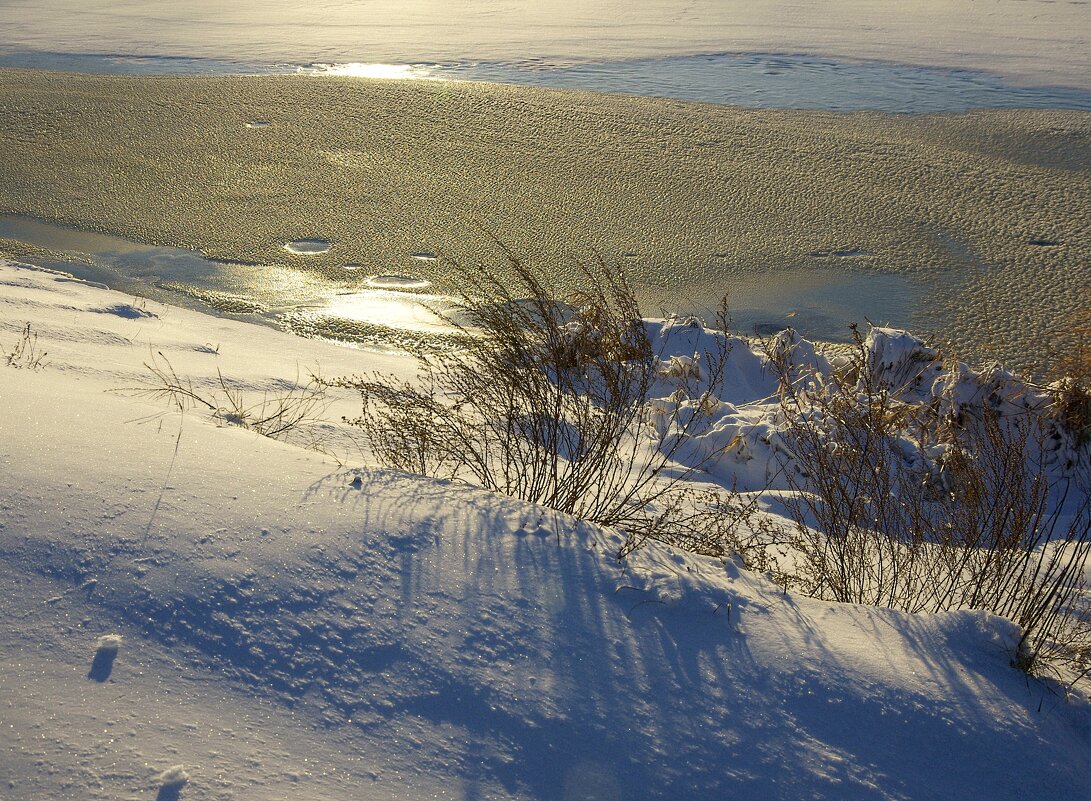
<point>171,781</point>
<point>102,665</point>
<point>128,311</point>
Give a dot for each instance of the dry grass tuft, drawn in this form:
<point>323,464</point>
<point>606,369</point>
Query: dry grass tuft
<point>295,414</point>
<point>25,355</point>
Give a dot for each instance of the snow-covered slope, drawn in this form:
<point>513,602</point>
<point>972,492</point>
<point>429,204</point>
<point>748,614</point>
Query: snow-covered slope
<point>295,628</point>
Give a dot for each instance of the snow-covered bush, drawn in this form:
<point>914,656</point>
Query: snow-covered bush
<point>564,403</point>
<point>930,488</point>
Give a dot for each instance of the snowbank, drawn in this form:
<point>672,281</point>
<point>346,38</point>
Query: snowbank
<point>297,628</point>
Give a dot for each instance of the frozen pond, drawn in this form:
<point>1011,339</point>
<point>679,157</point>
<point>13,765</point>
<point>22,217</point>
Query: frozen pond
<point>758,80</point>
<point>375,309</point>
<point>1034,42</point>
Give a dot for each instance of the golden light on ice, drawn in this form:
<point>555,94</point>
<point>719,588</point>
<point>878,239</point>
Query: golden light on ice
<point>360,70</point>
<point>390,308</point>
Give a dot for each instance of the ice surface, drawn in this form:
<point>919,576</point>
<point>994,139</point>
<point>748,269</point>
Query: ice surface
<point>1040,40</point>
<point>397,282</point>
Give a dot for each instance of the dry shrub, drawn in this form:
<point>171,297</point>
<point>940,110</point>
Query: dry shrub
<point>1072,402</point>
<point>931,507</point>
<point>1071,389</point>
<point>560,403</point>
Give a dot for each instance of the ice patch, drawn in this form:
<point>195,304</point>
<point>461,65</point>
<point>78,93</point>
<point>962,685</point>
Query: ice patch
<point>397,282</point>
<point>357,69</point>
<point>307,247</point>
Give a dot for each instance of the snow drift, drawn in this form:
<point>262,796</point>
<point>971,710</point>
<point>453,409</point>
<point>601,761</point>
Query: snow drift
<point>297,627</point>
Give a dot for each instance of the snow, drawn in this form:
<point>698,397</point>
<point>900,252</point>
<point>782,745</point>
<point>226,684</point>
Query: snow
<point>173,777</point>
<point>297,626</point>
<point>288,625</point>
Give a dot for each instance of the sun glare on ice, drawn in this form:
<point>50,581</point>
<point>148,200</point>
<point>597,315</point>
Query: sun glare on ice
<point>360,70</point>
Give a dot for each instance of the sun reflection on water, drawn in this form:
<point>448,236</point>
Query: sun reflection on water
<point>362,70</point>
<point>391,308</point>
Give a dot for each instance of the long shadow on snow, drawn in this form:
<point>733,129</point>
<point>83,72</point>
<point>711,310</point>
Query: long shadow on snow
<point>562,670</point>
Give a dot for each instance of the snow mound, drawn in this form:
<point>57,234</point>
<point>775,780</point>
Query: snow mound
<point>173,777</point>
